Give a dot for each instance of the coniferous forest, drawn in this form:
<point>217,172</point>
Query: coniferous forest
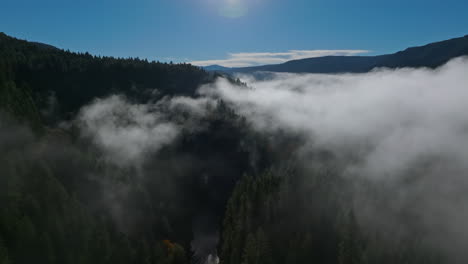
<point>197,181</point>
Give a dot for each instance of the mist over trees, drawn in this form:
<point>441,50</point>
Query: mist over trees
<point>107,160</point>
<point>65,199</point>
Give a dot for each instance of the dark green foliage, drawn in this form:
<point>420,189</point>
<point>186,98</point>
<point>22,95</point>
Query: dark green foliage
<point>257,226</point>
<point>18,102</point>
<point>4,258</point>
<point>74,79</point>
<point>283,216</point>
<point>251,204</point>
<point>257,249</point>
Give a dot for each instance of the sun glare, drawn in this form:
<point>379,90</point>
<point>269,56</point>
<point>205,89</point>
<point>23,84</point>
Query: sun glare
<point>233,8</point>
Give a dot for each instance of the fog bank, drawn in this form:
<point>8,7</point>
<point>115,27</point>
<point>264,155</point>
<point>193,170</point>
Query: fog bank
<point>404,131</point>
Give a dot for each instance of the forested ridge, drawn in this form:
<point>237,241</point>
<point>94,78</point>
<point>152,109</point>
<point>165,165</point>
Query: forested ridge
<point>63,200</point>
<point>76,78</point>
<point>57,193</point>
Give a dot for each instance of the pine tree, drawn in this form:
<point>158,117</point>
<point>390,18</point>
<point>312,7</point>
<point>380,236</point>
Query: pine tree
<point>250,255</point>
<point>4,258</point>
<point>350,248</point>
<point>263,247</point>
<point>257,249</point>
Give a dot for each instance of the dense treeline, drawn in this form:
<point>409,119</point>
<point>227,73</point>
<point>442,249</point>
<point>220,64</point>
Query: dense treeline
<point>73,79</point>
<point>292,215</point>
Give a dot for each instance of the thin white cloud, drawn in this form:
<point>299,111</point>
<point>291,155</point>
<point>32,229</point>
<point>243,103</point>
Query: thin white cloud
<point>246,59</point>
<point>126,132</point>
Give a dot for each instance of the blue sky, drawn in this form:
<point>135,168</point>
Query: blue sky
<point>216,30</point>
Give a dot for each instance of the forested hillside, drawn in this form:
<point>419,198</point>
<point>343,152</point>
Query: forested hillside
<point>62,202</point>
<point>107,160</point>
<point>73,79</point>
<point>294,215</point>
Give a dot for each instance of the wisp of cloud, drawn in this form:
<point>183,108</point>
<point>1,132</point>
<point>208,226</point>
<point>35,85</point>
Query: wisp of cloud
<point>125,131</point>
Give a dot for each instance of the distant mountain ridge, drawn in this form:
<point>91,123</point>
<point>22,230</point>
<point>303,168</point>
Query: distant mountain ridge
<point>216,68</point>
<point>431,55</point>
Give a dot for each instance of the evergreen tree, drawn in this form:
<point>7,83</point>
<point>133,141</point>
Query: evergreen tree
<point>350,247</point>
<point>4,258</point>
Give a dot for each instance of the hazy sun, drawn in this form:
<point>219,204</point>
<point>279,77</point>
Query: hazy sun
<point>233,8</point>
